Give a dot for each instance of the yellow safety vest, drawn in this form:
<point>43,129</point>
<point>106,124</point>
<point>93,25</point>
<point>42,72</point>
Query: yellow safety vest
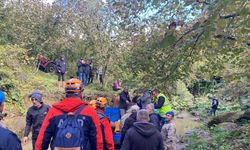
<point>166,106</point>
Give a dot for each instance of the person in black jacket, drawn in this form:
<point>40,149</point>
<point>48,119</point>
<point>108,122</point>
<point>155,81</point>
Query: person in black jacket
<point>214,106</point>
<point>143,135</point>
<point>61,70</point>
<point>91,73</point>
<point>155,119</point>
<point>8,139</point>
<point>124,101</point>
<point>35,117</point>
<point>82,71</point>
<point>128,124</point>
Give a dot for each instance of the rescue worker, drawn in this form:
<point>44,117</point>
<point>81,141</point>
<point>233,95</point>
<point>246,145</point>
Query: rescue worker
<point>71,105</point>
<point>35,116</point>
<point>108,142</point>
<point>168,132</point>
<point>161,104</point>
<point>8,139</point>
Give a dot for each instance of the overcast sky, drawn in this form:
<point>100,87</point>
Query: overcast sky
<point>49,1</point>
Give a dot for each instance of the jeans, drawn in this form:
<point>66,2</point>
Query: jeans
<point>83,78</point>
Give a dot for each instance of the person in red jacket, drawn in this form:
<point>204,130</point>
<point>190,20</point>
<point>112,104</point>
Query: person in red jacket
<point>88,117</point>
<point>108,142</point>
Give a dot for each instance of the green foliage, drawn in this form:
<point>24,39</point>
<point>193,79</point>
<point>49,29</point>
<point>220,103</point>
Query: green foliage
<point>17,79</point>
<point>183,98</point>
<point>222,140</point>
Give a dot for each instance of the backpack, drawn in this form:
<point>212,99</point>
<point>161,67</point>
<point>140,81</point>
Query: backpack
<point>69,135</point>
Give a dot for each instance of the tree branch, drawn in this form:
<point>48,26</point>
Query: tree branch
<point>229,16</point>
<point>225,37</point>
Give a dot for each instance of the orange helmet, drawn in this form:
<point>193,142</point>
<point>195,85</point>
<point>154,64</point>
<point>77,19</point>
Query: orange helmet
<point>92,103</point>
<point>73,86</point>
<point>101,102</point>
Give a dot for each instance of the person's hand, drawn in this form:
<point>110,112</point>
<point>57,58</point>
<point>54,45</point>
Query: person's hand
<point>127,101</point>
<point>25,140</point>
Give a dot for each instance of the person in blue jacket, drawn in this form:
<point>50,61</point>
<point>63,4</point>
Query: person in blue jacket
<point>8,139</point>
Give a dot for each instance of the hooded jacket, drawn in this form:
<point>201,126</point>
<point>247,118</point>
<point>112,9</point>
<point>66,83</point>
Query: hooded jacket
<point>143,136</point>
<point>91,124</point>
<point>128,124</point>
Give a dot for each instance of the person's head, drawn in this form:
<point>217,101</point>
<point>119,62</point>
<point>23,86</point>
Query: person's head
<point>142,116</point>
<point>37,98</point>
<point>155,92</point>
<point>169,116</point>
<point>214,97</point>
<point>62,57</point>
<point>126,89</point>
<point>150,108</point>
<point>101,102</point>
<point>134,108</point>
<point>92,103</point>
<point>2,99</point>
<point>74,88</point>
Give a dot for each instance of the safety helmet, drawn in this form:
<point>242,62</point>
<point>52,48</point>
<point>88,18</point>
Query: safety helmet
<point>101,102</point>
<point>73,86</point>
<point>92,103</point>
<point>2,97</point>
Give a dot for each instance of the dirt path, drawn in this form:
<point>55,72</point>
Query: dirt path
<point>184,123</point>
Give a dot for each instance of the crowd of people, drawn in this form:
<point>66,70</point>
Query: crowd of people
<point>74,123</point>
<point>147,120</point>
<point>85,71</point>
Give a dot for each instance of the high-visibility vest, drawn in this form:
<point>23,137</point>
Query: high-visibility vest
<point>166,106</point>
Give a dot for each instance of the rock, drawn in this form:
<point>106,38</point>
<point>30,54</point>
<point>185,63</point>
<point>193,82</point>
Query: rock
<point>228,126</point>
<point>226,117</point>
<point>245,116</point>
<point>200,133</point>
<point>245,101</point>
<point>203,134</point>
<point>195,119</point>
<point>197,113</point>
<point>179,117</point>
